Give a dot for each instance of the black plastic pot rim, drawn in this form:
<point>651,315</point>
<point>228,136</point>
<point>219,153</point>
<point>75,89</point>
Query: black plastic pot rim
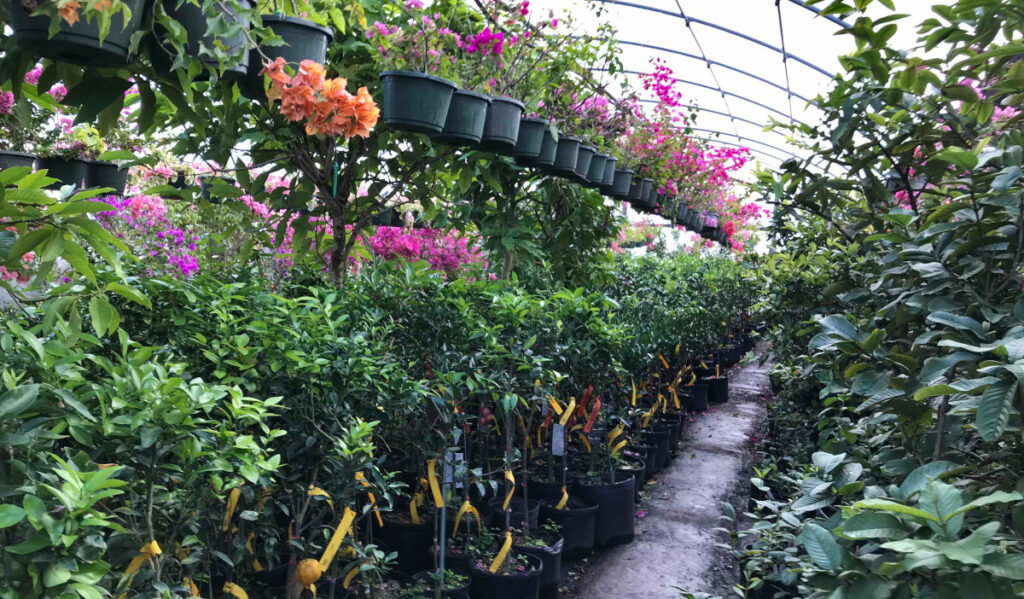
<point>570,138</point>
<point>508,100</point>
<point>533,119</point>
<point>472,94</point>
<point>586,148</point>
<point>419,75</point>
<point>14,153</point>
<point>299,21</point>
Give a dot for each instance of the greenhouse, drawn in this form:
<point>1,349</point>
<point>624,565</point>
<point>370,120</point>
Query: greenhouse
<point>511,299</point>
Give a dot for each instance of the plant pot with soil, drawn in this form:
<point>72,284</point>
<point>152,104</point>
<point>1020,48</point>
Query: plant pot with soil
<point>547,546</point>
<point>106,174</point>
<point>531,138</point>
<point>583,159</point>
<point>595,174</point>
<point>519,577</point>
<point>566,155</point>
<point>516,507</point>
<point>412,540</point>
<point>454,584</point>
<point>614,524</point>
<point>416,102</point>
<point>697,401</point>
<point>11,159</point>
<point>67,171</point>
<point>576,522</point>
<point>467,114</point>
<point>193,20</point>
<point>78,43</point>
<point>718,389</point>
<point>303,40</point>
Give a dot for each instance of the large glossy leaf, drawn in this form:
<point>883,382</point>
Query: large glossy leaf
<point>17,400</point>
<point>994,408</point>
<point>942,501</point>
<point>894,507</point>
<point>825,552</point>
<point>963,323</point>
<point>916,480</point>
<point>872,525</point>
<point>1007,566</point>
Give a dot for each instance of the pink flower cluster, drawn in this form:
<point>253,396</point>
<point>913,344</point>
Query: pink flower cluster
<point>486,42</point>
<point>6,102</point>
<point>141,220</point>
<point>446,252</point>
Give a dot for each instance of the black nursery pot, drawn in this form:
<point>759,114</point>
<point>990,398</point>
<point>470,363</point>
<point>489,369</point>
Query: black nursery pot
<point>718,389</point>
<point>10,159</point>
<point>615,510</point>
<point>501,129</point>
<point>698,400</point>
<point>516,505</point>
<point>548,150</point>
<point>415,102</point>
<point>67,172</point>
<point>541,490</point>
<point>635,193</point>
<point>450,593</point>
<point>622,183</point>
<point>411,541</point>
<point>551,559</point>
<point>467,114</point>
<point>78,43</point>
<point>576,522</point>
<point>515,585</point>
<point>637,471</point>
<point>646,187</point>
<point>304,40</point>
<point>608,178</point>
<point>583,159</point>
<point>531,140</point>
<point>595,175</point>
<point>660,440</point>
<point>566,154</point>
<point>106,174</point>
<point>192,19</point>
<point>649,455</point>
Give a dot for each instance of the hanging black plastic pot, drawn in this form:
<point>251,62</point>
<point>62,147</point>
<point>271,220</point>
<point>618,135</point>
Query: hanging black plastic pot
<point>78,43</point>
<point>608,177</point>
<point>467,113</point>
<point>105,174</point>
<point>11,159</point>
<point>566,155</point>
<point>583,159</point>
<point>531,140</point>
<point>303,40</point>
<point>501,131</point>
<point>595,174</point>
<point>718,389</point>
<point>415,102</point>
<point>615,509</point>
<point>514,585</point>
<point>698,400</point>
<point>652,195</point>
<point>636,192</point>
<point>67,172</point>
<point>646,187</point>
<point>551,559</point>
<point>622,184</point>
<point>548,149</point>
<point>426,577</point>
<point>682,214</point>
<point>576,521</point>
<point>194,22</point>
<point>516,507</point>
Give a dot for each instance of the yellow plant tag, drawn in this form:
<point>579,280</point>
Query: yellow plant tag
<point>554,405</point>
<point>675,398</point>
<point>232,503</point>
<point>615,432</point>
<point>193,590</point>
<point>586,442</point>
<point>618,447</point>
<point>565,499</point>
<point>663,362</point>
<point>435,490</point>
<point>502,554</point>
<point>633,401</point>
<point>352,574</point>
<point>512,489</point>
<point>568,411</point>
<point>336,539</point>
<point>413,512</point>
<point>318,492</point>
<point>235,591</point>
<point>373,500</point>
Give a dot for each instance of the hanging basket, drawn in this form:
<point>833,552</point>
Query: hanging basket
<point>548,149</point>
<point>501,130</point>
<point>192,19</point>
<point>464,125</point>
<point>66,172</point>
<point>531,140</point>
<point>622,184</point>
<point>303,40</point>
<point>78,43</point>
<point>566,155</point>
<point>10,159</point>
<point>608,177</point>
<point>595,174</point>
<point>583,159</point>
<point>415,102</point>
<point>105,174</point>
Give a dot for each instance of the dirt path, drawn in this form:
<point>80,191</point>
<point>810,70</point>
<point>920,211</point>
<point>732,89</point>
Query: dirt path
<point>675,545</point>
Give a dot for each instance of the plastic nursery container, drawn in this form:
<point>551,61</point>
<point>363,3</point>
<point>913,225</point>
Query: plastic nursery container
<point>415,102</point>
<point>615,509</point>
<point>514,585</point>
<point>501,129</point>
<point>80,43</point>
<point>467,115</point>
<point>576,522</point>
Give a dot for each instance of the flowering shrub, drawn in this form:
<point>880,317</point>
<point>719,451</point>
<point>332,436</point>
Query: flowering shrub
<point>447,252</point>
<point>141,221</point>
<point>323,103</point>
<point>420,44</point>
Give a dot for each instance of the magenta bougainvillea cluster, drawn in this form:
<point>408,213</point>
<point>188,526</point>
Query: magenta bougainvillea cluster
<point>444,251</point>
<point>141,221</point>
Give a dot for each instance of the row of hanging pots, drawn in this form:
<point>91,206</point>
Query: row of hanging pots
<point>80,43</point>
<point>81,173</point>
<point>424,103</point>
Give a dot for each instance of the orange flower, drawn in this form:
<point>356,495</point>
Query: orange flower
<point>275,70</point>
<point>334,88</point>
<point>312,73</point>
<point>298,102</point>
<point>366,111</point>
<point>69,12</point>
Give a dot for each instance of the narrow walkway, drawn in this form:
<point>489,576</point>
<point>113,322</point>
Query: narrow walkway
<point>675,545</point>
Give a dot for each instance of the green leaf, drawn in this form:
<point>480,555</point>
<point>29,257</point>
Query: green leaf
<point>965,159</point>
<point>56,574</point>
<point>1006,566</point>
<point>10,515</point>
<point>872,525</point>
<point>17,400</point>
<point>86,591</point>
<point>894,507</point>
<point>994,409</point>
<point>997,497</point>
<point>129,293</point>
<point>921,476</point>
<point>100,312</point>
<point>76,257</point>
<point>827,461</point>
<point>964,323</point>
<point>942,501</point>
<point>821,546</point>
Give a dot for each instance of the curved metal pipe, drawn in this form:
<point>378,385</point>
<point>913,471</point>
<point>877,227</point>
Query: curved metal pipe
<point>733,32</point>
